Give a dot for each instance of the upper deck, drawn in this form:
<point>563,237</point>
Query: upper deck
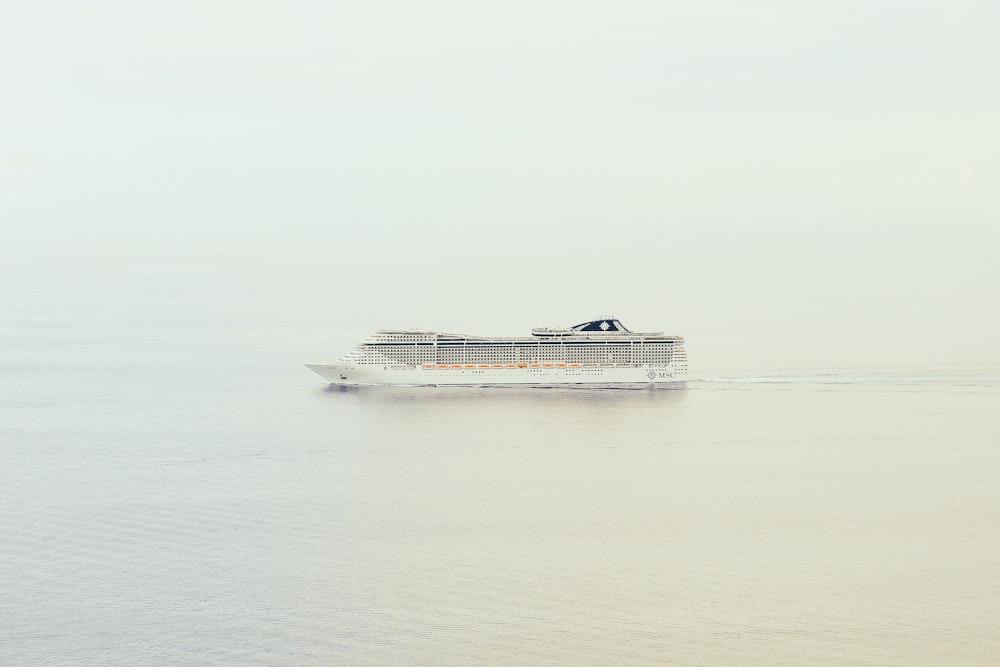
<point>604,329</point>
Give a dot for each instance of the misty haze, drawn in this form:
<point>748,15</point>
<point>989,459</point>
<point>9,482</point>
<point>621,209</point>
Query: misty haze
<point>197,199</point>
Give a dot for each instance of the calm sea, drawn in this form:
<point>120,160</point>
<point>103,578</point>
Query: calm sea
<point>170,496</point>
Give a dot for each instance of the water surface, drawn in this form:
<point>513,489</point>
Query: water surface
<point>161,507</point>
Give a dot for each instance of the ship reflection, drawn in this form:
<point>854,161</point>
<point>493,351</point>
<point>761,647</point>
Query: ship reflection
<point>508,395</point>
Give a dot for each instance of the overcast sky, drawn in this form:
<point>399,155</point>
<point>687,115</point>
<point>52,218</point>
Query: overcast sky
<point>804,183</point>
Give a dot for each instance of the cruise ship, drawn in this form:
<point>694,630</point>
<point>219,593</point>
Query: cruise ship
<point>600,352</point>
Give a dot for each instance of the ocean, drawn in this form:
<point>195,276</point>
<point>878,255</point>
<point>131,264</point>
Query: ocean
<point>198,198</point>
<point>183,494</point>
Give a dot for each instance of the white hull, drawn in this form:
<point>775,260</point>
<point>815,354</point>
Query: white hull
<point>340,373</point>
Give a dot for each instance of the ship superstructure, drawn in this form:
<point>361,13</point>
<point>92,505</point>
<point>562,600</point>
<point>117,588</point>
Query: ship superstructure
<point>597,352</point>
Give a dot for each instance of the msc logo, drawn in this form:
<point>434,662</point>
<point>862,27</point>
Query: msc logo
<point>659,375</point>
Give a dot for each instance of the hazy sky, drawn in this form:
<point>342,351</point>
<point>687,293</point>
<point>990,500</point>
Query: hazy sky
<point>801,183</point>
